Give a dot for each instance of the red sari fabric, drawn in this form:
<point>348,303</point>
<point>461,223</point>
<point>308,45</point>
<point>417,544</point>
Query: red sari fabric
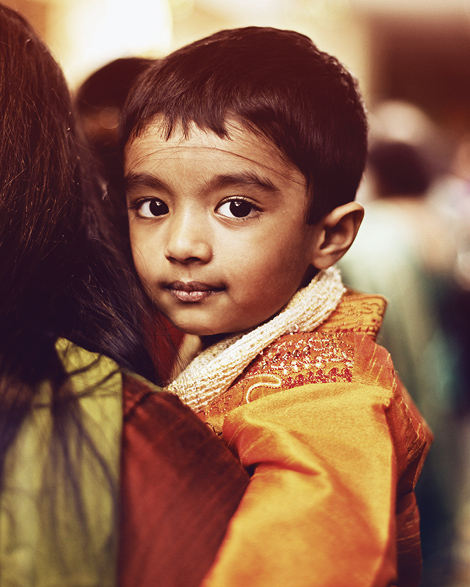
<point>179,488</point>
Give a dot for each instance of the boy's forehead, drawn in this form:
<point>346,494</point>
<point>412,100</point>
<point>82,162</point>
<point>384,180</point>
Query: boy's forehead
<point>241,147</point>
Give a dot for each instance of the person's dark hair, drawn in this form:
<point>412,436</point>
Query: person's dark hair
<point>274,82</point>
<point>400,169</point>
<point>61,275</point>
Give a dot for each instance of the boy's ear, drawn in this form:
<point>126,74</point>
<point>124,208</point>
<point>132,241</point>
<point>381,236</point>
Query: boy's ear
<point>337,231</point>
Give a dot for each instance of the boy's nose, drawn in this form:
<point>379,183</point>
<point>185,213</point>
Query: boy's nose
<point>188,241</point>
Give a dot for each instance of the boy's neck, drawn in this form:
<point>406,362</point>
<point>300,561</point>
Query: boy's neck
<point>211,339</point>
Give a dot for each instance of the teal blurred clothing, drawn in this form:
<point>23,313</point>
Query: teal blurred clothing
<point>403,252</point>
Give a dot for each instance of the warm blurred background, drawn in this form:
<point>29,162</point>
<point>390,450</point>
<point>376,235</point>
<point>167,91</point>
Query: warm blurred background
<point>412,59</point>
<point>416,50</point>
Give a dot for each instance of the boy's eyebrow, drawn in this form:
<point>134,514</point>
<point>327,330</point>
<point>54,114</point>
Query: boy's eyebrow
<point>135,180</point>
<point>244,178</point>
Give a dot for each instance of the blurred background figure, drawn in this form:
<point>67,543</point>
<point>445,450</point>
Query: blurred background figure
<point>99,102</point>
<point>407,250</point>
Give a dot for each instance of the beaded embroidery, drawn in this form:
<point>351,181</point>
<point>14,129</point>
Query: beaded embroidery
<point>292,361</point>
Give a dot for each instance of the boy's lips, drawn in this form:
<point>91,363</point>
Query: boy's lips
<point>192,291</point>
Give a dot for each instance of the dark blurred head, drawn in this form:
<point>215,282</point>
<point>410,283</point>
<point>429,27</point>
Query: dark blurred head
<point>399,169</point>
<point>99,102</point>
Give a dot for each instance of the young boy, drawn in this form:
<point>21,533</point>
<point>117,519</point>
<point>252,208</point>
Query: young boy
<point>244,153</point>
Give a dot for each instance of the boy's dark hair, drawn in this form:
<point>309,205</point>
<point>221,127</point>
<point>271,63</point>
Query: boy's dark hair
<point>274,82</point>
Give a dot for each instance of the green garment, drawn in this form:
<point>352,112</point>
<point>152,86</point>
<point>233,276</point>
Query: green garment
<point>47,536</point>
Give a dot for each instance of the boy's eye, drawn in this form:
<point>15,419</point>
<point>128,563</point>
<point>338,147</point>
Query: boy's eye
<point>152,208</point>
<point>237,208</point>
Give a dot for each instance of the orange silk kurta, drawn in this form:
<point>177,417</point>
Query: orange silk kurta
<point>335,447</point>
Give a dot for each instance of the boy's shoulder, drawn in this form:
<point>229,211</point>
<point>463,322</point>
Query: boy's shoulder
<point>357,313</point>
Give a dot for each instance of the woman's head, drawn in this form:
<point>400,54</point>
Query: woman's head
<point>62,271</point>
<point>40,182</point>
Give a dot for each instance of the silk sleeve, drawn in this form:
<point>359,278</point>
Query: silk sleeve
<point>320,507</point>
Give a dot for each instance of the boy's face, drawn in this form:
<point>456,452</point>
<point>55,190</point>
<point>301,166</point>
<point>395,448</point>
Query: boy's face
<point>217,227</point>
